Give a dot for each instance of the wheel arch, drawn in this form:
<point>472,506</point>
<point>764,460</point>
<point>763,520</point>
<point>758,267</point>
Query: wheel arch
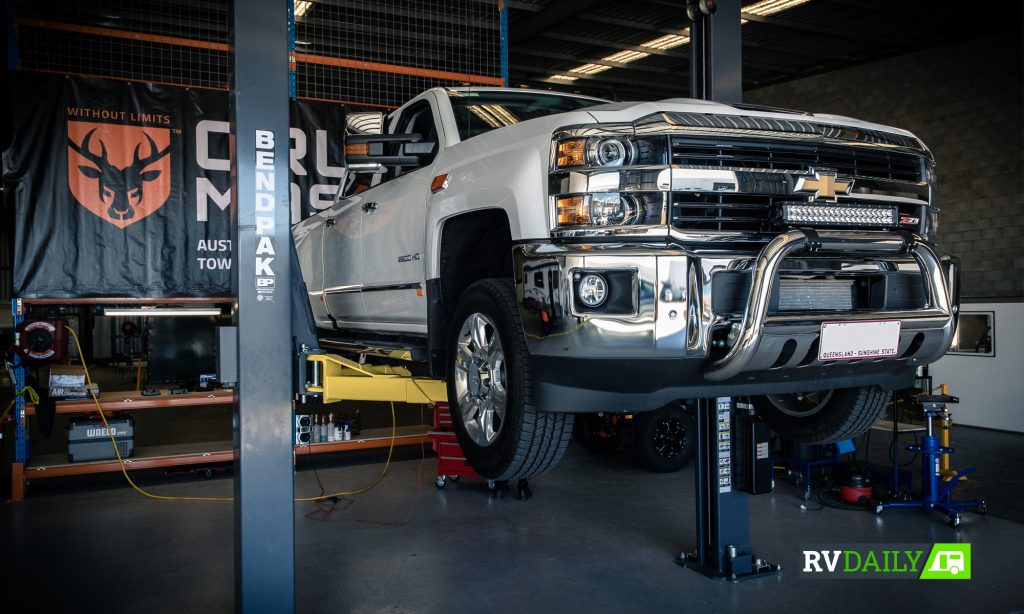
<point>471,246</point>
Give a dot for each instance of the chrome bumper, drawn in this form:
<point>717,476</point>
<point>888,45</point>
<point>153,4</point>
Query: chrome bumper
<point>672,314</point>
<point>938,317</point>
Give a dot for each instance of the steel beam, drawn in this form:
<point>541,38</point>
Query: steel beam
<point>716,66</point>
<point>264,512</point>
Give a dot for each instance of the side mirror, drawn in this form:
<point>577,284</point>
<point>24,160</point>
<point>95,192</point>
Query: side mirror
<point>365,153</point>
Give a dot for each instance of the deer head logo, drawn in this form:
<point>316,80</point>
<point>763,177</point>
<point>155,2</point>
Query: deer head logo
<point>114,186</point>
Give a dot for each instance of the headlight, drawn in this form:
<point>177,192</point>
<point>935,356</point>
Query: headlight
<point>610,152</point>
<point>608,209</point>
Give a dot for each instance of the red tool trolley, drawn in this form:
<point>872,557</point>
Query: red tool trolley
<point>451,464</point>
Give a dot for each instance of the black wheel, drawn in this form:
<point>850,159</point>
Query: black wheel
<point>440,482</point>
<point>824,416</point>
<point>502,434</point>
<point>594,433</point>
<point>664,439</point>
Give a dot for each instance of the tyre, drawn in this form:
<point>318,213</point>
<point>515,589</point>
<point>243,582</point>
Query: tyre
<point>598,434</point>
<point>664,439</point>
<point>825,416</point>
<point>490,390</point>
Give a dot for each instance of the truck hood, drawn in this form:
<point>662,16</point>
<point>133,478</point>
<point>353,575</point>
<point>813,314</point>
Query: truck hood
<point>630,112</point>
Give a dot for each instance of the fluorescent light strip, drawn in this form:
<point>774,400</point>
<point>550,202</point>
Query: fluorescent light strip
<point>765,8</point>
<point>161,311</point>
<point>670,41</point>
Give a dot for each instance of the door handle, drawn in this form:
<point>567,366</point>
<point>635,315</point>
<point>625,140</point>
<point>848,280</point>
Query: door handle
<point>368,207</point>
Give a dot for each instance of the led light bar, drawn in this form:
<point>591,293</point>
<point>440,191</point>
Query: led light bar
<point>831,215</point>
<point>161,311</point>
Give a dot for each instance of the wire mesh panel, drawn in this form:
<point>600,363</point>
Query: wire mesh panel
<point>370,52</point>
<point>425,43</point>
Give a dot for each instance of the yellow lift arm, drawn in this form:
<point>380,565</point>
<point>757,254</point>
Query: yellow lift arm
<point>340,379</point>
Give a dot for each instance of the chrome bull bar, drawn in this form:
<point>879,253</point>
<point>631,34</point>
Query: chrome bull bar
<point>765,271</point>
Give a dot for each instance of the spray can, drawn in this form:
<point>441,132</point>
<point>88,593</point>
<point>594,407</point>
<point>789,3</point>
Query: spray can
<point>346,431</point>
<point>323,428</point>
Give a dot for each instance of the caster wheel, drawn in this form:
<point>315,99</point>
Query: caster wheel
<point>453,479</point>
<point>500,490</point>
<point>208,474</point>
<point>440,481</point>
<point>878,509</point>
<point>523,492</point>
<point>982,508</point>
<point>490,484</point>
<point>954,520</point>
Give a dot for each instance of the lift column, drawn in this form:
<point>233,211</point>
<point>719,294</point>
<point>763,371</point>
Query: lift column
<point>263,439</point>
<point>732,454</point>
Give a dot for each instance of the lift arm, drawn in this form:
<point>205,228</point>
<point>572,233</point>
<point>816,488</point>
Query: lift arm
<point>335,378</point>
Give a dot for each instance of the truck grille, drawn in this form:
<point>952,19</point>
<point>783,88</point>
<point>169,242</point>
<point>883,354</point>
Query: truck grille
<point>848,161</point>
<point>729,211</point>
<point>752,212</point>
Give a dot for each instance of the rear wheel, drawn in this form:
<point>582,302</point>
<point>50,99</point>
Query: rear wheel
<point>490,389</point>
<point>824,416</point>
<point>664,439</point>
<point>594,433</point>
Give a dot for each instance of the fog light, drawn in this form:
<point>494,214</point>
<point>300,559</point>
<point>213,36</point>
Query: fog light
<point>592,290</point>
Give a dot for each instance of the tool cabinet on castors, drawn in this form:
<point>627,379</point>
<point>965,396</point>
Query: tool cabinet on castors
<point>451,464</point>
<point>89,438</point>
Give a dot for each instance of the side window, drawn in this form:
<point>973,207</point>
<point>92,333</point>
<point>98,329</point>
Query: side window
<point>418,119</point>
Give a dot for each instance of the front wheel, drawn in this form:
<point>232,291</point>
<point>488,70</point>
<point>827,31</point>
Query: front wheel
<point>823,416</point>
<point>490,390</point>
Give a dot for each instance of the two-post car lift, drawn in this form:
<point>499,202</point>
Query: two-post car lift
<point>264,516</point>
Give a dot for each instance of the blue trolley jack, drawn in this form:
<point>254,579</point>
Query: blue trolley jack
<point>936,496</point>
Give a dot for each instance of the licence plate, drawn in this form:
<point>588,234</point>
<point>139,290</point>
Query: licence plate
<point>851,340</point>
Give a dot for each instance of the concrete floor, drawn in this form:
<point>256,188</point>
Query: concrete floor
<point>599,535</point>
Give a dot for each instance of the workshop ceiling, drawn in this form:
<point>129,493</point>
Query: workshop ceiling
<point>639,49</point>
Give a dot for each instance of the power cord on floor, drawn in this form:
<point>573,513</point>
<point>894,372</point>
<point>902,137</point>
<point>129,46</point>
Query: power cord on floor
<point>143,492</point>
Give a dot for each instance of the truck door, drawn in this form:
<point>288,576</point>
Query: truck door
<point>342,261</point>
<point>394,231</point>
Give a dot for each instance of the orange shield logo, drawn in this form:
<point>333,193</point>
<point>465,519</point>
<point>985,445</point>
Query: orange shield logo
<point>120,173</point>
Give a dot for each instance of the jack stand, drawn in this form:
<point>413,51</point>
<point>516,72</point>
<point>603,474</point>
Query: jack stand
<point>936,496</point>
<point>723,524</point>
<point>948,473</point>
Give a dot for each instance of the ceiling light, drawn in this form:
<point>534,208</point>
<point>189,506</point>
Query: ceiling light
<point>161,311</point>
<point>765,8</point>
<point>302,7</point>
<point>668,41</point>
<point>626,56</point>
<point>589,69</point>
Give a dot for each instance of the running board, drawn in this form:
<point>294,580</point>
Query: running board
<point>393,351</point>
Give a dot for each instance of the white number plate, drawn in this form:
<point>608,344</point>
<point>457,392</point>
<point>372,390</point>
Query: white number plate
<point>850,340</point>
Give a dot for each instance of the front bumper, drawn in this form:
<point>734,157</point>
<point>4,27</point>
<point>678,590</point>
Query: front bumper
<point>672,339</point>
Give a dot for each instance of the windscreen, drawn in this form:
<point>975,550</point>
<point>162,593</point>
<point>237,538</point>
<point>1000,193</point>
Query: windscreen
<point>480,112</point>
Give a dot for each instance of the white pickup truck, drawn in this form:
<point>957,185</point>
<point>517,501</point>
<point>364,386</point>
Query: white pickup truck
<point>549,254</point>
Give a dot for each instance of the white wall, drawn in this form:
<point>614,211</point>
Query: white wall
<point>991,389</point>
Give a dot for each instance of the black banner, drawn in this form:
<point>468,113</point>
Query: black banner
<point>121,189</point>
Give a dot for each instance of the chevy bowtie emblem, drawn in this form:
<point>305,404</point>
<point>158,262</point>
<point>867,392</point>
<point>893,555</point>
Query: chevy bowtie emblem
<point>823,185</point>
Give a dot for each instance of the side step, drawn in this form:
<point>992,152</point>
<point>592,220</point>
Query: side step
<point>394,350</point>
